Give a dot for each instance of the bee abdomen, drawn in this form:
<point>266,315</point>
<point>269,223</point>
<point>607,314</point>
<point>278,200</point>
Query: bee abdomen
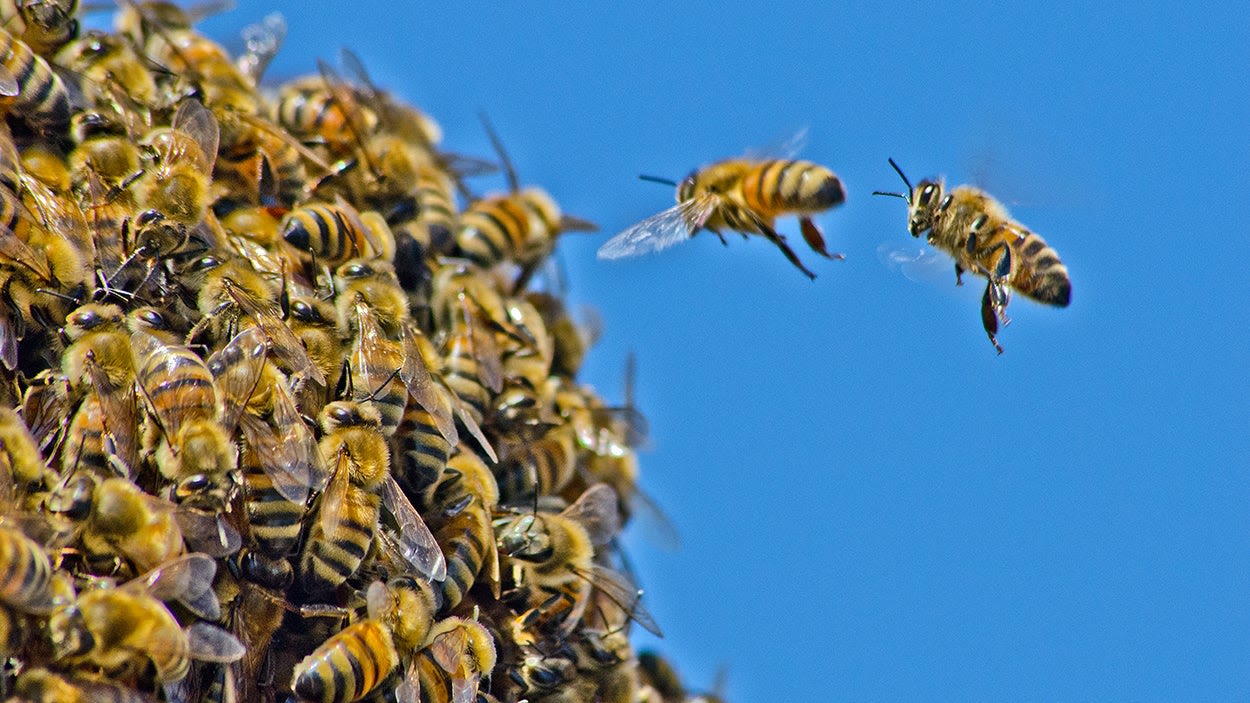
<point>29,572</point>
<point>792,186</point>
<point>492,230</point>
<point>465,550</point>
<point>42,99</point>
<point>422,451</point>
<point>274,520</point>
<point>330,559</point>
<point>347,666</point>
<point>1042,276</point>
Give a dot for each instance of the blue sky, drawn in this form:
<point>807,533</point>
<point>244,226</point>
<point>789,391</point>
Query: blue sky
<point>873,505</point>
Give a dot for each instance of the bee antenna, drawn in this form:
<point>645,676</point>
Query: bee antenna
<point>657,179</point>
<point>508,168</point>
<point>899,171</point>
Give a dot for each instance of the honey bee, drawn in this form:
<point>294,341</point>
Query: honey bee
<point>43,686</point>
<point>554,553</point>
<point>745,195</point>
<point>539,467</point>
<point>353,662</point>
<point>124,630</point>
<point>27,572</point>
<point>178,184</point>
<point>261,164</point>
<point>461,505</point>
<point>314,323</point>
<point>29,89</point>
<point>450,668</point>
<point>196,451</point>
<point>45,25</point>
<point>319,109</point>
<point>111,72</point>
<point>978,233</point>
<point>520,225</point>
<point>359,485</point>
<point>21,464</point>
<point>335,232</point>
<point>231,292</point>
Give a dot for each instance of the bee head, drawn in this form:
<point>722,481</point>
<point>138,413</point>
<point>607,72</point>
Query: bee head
<point>925,204</point>
<point>685,189</point>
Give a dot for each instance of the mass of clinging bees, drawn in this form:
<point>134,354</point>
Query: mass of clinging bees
<point>284,413</point>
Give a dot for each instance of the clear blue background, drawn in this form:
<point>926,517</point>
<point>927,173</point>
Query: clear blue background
<point>873,505</point>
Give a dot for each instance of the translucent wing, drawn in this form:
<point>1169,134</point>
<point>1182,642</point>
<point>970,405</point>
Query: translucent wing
<point>18,252</point>
<point>662,230</point>
<point>597,510</point>
<point>279,459</point>
<point>436,399</point>
<point>335,494</point>
<point>625,595</point>
<point>416,543</point>
<point>208,532</point>
<point>212,644</point>
<point>466,418</point>
<point>120,413</point>
<point>236,370</point>
<point>785,146</point>
<point>918,263</point>
<point>198,123</point>
<point>261,42</point>
<point>187,579</point>
<point>286,346</point>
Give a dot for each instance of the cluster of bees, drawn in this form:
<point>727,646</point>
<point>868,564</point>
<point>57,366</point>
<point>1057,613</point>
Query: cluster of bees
<point>279,418</point>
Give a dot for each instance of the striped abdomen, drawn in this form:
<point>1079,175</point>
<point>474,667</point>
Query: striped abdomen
<point>329,559</point>
<point>421,450</point>
<point>464,372</point>
<point>84,448</point>
<point>179,386</point>
<point>437,215</point>
<point>543,466</point>
<point>331,232</point>
<point>25,571</point>
<point>274,521</point>
<point>1040,274</point>
<point>375,382</point>
<point>777,187</point>
<point>347,666</point>
<point>466,539</point>
<point>493,229</point>
<point>41,100</point>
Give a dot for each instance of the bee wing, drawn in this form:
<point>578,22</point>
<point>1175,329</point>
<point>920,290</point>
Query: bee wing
<point>662,230</point>
<point>60,216</point>
<point>408,689</point>
<point>44,409</point>
<point>210,643</point>
<point>208,532</point>
<point>20,253</point>
<point>436,400</point>
<point>354,221</point>
<point>466,418</point>
<point>236,370</point>
<point>120,416</point>
<point>920,264</point>
<point>9,86</point>
<point>279,459</point>
<point>624,594</point>
<point>482,345</point>
<point>198,123</point>
<point>464,689</point>
<point>785,146</point>
<point>261,42</point>
<point>448,649</point>
<point>335,493</point>
<point>417,545</point>
<point>8,340</point>
<point>286,346</point>
<point>187,579</point>
<point>597,510</point>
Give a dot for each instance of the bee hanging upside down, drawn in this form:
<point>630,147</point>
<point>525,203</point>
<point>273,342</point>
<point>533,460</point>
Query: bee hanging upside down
<point>981,237</point>
<point>744,195</point>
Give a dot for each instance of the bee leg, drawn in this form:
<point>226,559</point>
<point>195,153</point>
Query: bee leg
<point>989,316</point>
<point>720,235</point>
<point>959,273</point>
<point>816,239</point>
<point>780,241</point>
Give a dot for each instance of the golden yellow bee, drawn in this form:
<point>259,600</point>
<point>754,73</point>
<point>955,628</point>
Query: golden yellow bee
<point>450,668</point>
<point>179,181</point>
<point>743,195</point>
<point>554,553</point>
<point>336,232</point>
<point>461,506</point>
<point>978,233</point>
<point>354,661</point>
<point>520,225</point>
<point>123,630</point>
<point>29,89</point>
<point>44,25</point>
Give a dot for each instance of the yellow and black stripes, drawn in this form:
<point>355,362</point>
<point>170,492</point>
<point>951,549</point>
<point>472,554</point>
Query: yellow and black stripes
<point>26,569</point>
<point>41,98</point>
<point>348,665</point>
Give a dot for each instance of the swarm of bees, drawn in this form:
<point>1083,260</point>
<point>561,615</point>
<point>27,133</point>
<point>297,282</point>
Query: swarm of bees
<point>283,413</point>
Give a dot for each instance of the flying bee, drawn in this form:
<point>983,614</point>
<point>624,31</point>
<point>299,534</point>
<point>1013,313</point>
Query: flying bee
<point>745,195</point>
<point>354,661</point>
<point>124,630</point>
<point>520,225</point>
<point>554,553</point>
<point>29,89</point>
<point>450,668</point>
<point>461,505</point>
<point>978,233</point>
<point>178,183</point>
